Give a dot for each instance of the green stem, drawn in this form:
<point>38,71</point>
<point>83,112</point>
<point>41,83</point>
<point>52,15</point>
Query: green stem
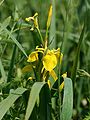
<point>11,64</point>
<point>13,58</point>
<point>41,38</point>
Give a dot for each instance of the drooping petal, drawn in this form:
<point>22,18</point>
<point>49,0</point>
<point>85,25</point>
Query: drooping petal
<point>49,61</point>
<point>53,74</point>
<point>33,57</point>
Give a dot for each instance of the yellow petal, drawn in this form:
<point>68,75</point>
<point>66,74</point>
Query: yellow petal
<point>49,61</point>
<point>30,78</point>
<point>35,15</point>
<point>36,23</point>
<point>33,57</point>
<point>58,55</point>
<point>29,19</point>
<point>61,86</point>
<point>49,83</point>
<point>32,28</point>
<point>40,49</point>
<point>57,52</point>
<point>53,74</point>
<point>64,75</point>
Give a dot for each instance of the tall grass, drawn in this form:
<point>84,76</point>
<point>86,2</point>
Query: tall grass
<point>27,89</point>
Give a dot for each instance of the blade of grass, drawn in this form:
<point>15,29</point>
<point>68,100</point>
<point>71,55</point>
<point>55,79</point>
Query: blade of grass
<point>8,102</point>
<point>79,90</point>
<point>5,23</point>
<point>13,56</point>
<point>1,2</point>
<point>11,64</point>
<point>3,71</point>
<point>14,40</point>
<point>34,94</point>
<point>75,64</point>
<point>44,104</point>
<point>67,107</point>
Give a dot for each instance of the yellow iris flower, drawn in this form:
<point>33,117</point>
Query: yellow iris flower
<point>49,60</point>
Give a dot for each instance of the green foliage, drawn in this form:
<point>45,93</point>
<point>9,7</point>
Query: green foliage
<point>35,100</point>
<point>87,117</point>
<point>75,64</point>
<point>34,95</point>
<point>9,101</point>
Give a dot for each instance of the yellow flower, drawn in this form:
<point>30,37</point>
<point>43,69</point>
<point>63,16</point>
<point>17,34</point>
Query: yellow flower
<point>49,61</point>
<point>33,57</point>
<point>34,19</point>
<point>50,57</point>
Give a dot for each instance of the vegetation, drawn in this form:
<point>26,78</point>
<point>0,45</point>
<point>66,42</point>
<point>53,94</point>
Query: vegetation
<point>44,60</point>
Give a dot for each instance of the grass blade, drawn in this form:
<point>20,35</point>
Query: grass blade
<point>44,104</point>
<point>14,40</point>
<point>5,23</point>
<point>11,64</point>
<point>8,102</point>
<point>67,107</point>
<point>75,64</point>
<point>2,71</point>
<point>34,94</point>
<point>1,2</point>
